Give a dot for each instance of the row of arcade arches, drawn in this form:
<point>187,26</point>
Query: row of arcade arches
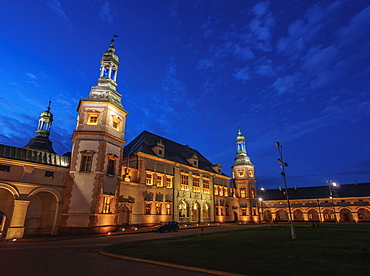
<point>36,212</point>
<point>342,215</point>
<point>194,212</point>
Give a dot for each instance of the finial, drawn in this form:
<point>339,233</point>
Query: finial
<point>239,130</point>
<point>112,41</point>
<point>49,104</point>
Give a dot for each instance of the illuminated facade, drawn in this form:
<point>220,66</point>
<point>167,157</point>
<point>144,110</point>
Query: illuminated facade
<point>331,203</point>
<point>102,185</point>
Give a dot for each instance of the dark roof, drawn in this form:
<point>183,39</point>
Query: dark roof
<point>34,156</point>
<point>173,151</point>
<point>345,190</point>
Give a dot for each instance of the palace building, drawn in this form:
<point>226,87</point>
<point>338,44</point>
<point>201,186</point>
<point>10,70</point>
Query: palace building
<point>104,184</point>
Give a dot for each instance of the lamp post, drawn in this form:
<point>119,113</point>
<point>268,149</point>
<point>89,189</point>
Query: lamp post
<point>334,184</point>
<point>283,165</point>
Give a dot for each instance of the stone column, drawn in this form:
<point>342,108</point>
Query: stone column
<point>16,228</point>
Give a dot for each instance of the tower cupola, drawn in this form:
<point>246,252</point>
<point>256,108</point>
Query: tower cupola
<point>241,158</point>
<point>41,140</point>
<point>109,67</point>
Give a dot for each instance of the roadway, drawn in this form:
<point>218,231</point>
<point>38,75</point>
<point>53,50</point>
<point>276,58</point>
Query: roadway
<point>45,256</point>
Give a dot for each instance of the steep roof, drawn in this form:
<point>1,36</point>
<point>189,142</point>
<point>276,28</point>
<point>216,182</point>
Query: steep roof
<point>173,151</point>
<point>345,190</point>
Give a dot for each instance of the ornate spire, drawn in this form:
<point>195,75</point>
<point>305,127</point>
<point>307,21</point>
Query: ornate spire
<point>105,90</point>
<point>241,158</point>
<point>41,140</point>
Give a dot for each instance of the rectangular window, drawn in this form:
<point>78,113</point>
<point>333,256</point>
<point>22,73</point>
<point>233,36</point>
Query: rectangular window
<point>184,182</point>
<point>149,178</point>
<point>92,119</point>
<point>49,174</point>
<point>168,209</point>
<point>159,180</point>
<point>244,211</point>
<point>206,186</point>
<point>4,168</point>
<point>196,185</point>
<point>106,205</point>
<point>86,163</point>
<point>169,182</point>
<point>158,208</point>
<point>226,191</point>
<point>111,166</point>
<point>148,207</point>
<point>221,191</point>
<point>242,193</point>
<point>116,121</point>
<point>216,190</point>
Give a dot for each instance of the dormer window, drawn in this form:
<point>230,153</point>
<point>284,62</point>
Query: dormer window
<point>158,149</point>
<point>217,168</point>
<point>193,160</point>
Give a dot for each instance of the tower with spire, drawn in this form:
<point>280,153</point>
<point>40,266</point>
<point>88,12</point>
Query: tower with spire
<point>244,182</point>
<point>91,197</point>
<point>41,140</point>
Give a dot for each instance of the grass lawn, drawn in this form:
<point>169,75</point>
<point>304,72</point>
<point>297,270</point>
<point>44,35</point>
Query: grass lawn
<point>342,249</point>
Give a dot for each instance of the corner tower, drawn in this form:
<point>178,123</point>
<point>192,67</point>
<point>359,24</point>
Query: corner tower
<point>244,182</point>
<point>41,140</point>
<point>91,196</point>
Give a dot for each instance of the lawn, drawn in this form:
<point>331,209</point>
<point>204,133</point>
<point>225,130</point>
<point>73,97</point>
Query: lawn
<point>268,250</point>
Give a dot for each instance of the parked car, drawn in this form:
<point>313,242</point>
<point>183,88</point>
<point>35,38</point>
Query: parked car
<point>167,226</point>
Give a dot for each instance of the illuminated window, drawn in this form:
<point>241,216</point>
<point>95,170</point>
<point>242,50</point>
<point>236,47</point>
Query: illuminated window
<point>92,118</point>
<point>159,180</point>
<point>196,186</point>
<point>168,209</point>
<point>148,207</point>
<point>215,190</point>
<point>206,186</point>
<point>221,191</point>
<point>106,205</point>
<point>149,178</point>
<point>116,121</point>
<point>169,181</point>
<point>86,163</point>
<point>226,191</point>
<point>244,211</point>
<point>4,168</point>
<point>242,193</point>
<point>251,174</point>
<point>184,182</point>
<point>158,208</point>
<point>241,173</point>
<point>253,191</point>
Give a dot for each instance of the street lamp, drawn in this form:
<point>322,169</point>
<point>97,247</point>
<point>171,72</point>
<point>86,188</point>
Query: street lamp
<point>334,184</point>
<point>283,165</point>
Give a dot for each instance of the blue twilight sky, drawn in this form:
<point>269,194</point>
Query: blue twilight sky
<point>297,72</point>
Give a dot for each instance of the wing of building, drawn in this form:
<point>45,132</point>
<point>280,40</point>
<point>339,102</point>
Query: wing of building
<point>103,184</point>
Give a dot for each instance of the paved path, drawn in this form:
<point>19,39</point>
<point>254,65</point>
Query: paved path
<point>80,257</point>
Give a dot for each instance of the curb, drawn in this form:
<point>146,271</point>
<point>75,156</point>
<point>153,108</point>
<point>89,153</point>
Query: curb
<point>204,270</point>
